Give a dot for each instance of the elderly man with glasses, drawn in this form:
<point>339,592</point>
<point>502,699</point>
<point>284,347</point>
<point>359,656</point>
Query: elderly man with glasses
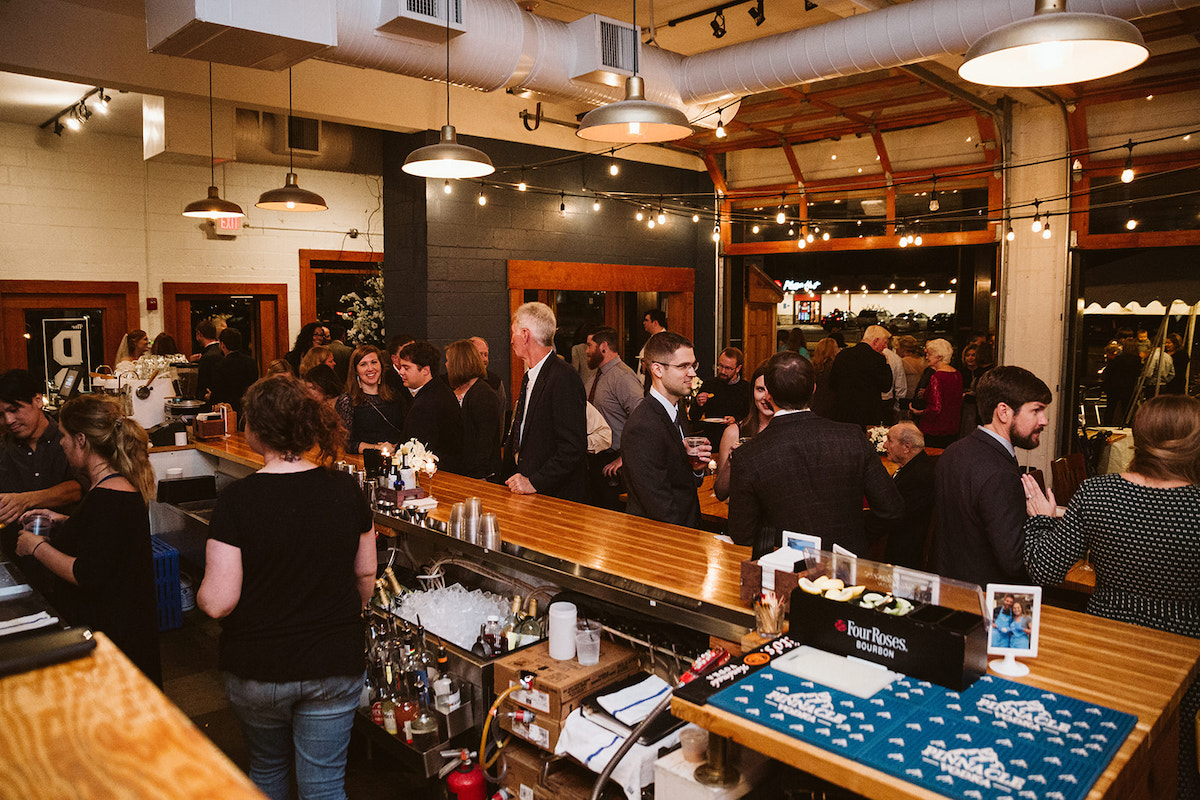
<point>661,477</point>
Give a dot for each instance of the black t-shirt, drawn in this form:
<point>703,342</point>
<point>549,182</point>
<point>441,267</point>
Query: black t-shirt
<point>299,614</point>
<point>109,536</point>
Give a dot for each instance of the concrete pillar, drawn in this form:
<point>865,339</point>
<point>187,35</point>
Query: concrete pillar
<point>1033,288</point>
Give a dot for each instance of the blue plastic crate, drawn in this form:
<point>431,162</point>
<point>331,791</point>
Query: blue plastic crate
<point>166,584</point>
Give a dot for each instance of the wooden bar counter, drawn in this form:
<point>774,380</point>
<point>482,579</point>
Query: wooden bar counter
<point>95,727</point>
<point>1125,667</point>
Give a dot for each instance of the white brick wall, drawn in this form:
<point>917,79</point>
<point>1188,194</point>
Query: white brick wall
<point>87,207</point>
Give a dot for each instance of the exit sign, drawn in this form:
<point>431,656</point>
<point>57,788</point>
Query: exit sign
<point>228,224</point>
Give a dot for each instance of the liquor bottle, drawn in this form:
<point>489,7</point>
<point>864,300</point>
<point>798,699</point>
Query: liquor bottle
<point>491,635</point>
<point>509,627</point>
<point>529,630</point>
<point>413,668</point>
<point>428,663</point>
<point>424,724</point>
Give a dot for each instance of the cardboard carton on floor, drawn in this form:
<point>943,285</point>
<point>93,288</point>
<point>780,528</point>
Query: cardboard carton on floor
<point>559,686</point>
<point>532,774</point>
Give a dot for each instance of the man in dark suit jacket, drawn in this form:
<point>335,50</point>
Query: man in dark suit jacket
<point>435,417</point>
<point>661,479</point>
<point>392,377</point>
<point>208,359</point>
<point>804,473</point>
<point>547,443</point>
<point>981,503</point>
<point>236,371</point>
<point>860,375</point>
<point>914,480</point>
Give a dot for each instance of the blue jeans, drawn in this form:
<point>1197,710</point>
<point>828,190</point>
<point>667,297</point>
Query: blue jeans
<point>305,721</point>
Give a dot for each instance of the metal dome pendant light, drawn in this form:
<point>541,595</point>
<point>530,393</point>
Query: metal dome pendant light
<point>448,159</point>
<point>634,119</point>
<point>291,197</point>
<point>1054,47</point>
<point>212,207</point>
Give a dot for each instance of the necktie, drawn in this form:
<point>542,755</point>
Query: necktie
<point>592,391</point>
<point>515,432</point>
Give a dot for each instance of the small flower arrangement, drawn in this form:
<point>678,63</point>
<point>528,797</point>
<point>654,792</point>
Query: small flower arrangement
<point>878,436</point>
<point>149,365</point>
<point>418,458</point>
<point>366,312</point>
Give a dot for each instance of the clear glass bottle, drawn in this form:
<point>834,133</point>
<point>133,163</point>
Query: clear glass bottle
<point>508,628</point>
<point>424,724</point>
<point>530,629</point>
<point>491,635</point>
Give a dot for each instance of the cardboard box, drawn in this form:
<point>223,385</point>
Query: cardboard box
<point>559,686</point>
<point>532,775</point>
<point>543,731</point>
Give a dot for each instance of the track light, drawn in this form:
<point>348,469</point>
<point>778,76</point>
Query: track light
<point>718,24</point>
<point>756,13</point>
<point>1127,173</point>
<point>75,115</point>
<point>72,122</point>
<point>102,101</point>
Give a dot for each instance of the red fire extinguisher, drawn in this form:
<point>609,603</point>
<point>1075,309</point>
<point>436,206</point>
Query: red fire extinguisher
<point>464,778</point>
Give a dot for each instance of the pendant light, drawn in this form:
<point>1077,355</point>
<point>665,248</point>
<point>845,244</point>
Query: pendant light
<point>1054,47</point>
<point>634,119</point>
<point>448,159</point>
<point>212,207</point>
<point>291,197</point>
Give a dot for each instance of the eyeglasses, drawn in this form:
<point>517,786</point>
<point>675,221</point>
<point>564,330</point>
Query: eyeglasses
<point>693,366</point>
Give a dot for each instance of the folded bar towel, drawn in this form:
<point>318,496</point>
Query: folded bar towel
<point>631,705</point>
<point>593,746</point>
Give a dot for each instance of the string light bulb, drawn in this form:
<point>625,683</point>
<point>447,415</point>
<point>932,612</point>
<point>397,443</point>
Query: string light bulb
<point>1008,234</point>
<point>596,203</point>
<point>720,132</point>
<point>934,205</point>
<point>640,215</point>
<point>562,204</point>
<point>781,216</point>
<point>1127,173</point>
<point>446,187</point>
<point>802,243</point>
<point>482,198</point>
<point>1046,229</point>
<point>754,229</point>
<point>521,187</point>
<point>825,236</point>
<point>716,234</point>
<point>662,218</point>
<point>650,224</point>
<point>695,217</point>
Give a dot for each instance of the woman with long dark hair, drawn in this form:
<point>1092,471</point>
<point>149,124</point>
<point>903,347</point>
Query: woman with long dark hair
<point>290,564</point>
<point>734,435</point>
<point>372,417</point>
<point>101,554</point>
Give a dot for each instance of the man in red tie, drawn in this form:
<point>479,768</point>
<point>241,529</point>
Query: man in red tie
<point>615,391</point>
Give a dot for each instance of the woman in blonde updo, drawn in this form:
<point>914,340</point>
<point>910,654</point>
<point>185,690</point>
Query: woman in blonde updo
<point>101,554</point>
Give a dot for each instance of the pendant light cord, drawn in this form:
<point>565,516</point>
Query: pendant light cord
<point>637,40</point>
<point>212,152</point>
<point>448,2</point>
<point>289,122</point>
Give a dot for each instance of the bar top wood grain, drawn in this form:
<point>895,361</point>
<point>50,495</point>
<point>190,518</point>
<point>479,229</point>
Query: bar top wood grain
<point>95,727</point>
<point>675,559</point>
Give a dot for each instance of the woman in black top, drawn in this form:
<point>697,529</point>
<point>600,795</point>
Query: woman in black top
<point>290,564</point>
<point>101,553</point>
<point>368,410</point>
<point>480,456</point>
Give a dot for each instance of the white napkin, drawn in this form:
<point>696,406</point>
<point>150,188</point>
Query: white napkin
<point>631,705</point>
<point>593,746</point>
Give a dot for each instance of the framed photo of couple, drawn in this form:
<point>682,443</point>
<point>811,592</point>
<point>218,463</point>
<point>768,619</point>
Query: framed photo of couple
<point>1016,615</point>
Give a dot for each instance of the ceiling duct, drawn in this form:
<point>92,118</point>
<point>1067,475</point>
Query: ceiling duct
<point>265,34</point>
<point>605,50</point>
<point>421,19</point>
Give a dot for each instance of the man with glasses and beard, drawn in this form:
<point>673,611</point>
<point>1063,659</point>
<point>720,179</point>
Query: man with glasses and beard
<point>980,500</point>
<point>661,478</point>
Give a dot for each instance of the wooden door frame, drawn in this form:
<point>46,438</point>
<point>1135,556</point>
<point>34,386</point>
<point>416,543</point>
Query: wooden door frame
<point>128,290</point>
<point>181,329</point>
<point>308,274</point>
<point>677,284</point>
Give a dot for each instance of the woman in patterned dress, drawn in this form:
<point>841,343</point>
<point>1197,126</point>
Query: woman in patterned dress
<point>1141,532</point>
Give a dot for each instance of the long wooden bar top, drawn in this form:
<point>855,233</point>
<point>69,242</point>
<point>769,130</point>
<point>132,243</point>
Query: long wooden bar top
<point>95,727</point>
<point>1121,666</point>
<point>675,559</point>
<point>1126,667</point>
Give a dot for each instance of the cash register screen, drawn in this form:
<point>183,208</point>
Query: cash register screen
<point>70,383</point>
